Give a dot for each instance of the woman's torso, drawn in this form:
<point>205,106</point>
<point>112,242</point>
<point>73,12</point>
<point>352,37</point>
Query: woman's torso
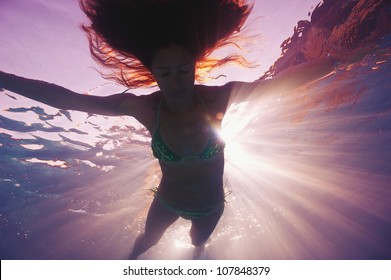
<point>191,182</point>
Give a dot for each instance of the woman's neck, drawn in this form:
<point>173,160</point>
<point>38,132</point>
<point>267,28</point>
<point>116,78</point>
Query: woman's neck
<point>183,105</point>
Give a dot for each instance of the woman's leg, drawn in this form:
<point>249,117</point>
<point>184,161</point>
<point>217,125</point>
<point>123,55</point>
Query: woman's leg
<point>158,220</point>
<point>202,228</point>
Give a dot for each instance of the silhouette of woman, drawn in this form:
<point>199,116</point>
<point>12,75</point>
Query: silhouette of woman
<point>168,43</point>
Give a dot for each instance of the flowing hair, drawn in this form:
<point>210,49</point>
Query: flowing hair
<point>124,35</point>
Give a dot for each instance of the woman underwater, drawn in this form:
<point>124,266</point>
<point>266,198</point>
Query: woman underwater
<point>168,43</point>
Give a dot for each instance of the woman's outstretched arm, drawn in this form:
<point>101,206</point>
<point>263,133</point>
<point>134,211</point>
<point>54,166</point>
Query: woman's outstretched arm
<point>62,98</point>
<point>294,77</point>
<point>286,80</point>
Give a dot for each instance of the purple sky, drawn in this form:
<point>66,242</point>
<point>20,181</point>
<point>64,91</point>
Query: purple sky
<point>41,39</point>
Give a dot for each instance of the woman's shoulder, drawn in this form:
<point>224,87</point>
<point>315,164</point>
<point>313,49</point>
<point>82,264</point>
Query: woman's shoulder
<point>143,107</point>
<point>211,93</point>
<point>150,100</point>
<point>215,96</point>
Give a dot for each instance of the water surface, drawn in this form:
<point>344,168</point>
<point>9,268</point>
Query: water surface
<point>308,170</point>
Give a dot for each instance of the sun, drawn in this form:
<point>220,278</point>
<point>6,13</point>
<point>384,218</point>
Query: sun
<point>234,132</point>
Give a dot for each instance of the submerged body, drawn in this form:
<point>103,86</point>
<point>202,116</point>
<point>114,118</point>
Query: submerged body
<point>182,118</point>
<point>191,180</point>
<point>186,142</point>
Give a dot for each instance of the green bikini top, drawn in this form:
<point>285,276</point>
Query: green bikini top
<point>162,152</point>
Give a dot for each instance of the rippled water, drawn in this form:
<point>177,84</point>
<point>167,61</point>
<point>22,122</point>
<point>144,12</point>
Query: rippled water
<point>308,170</point>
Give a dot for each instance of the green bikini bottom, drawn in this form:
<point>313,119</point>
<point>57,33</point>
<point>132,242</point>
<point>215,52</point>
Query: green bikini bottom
<point>189,214</point>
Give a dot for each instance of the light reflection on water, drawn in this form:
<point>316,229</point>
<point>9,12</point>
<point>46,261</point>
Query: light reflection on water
<point>317,182</point>
<point>307,171</point>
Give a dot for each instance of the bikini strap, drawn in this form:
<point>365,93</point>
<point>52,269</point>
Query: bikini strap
<point>158,113</point>
<point>204,106</point>
<point>160,105</point>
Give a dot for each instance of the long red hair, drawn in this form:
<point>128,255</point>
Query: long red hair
<point>124,35</point>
